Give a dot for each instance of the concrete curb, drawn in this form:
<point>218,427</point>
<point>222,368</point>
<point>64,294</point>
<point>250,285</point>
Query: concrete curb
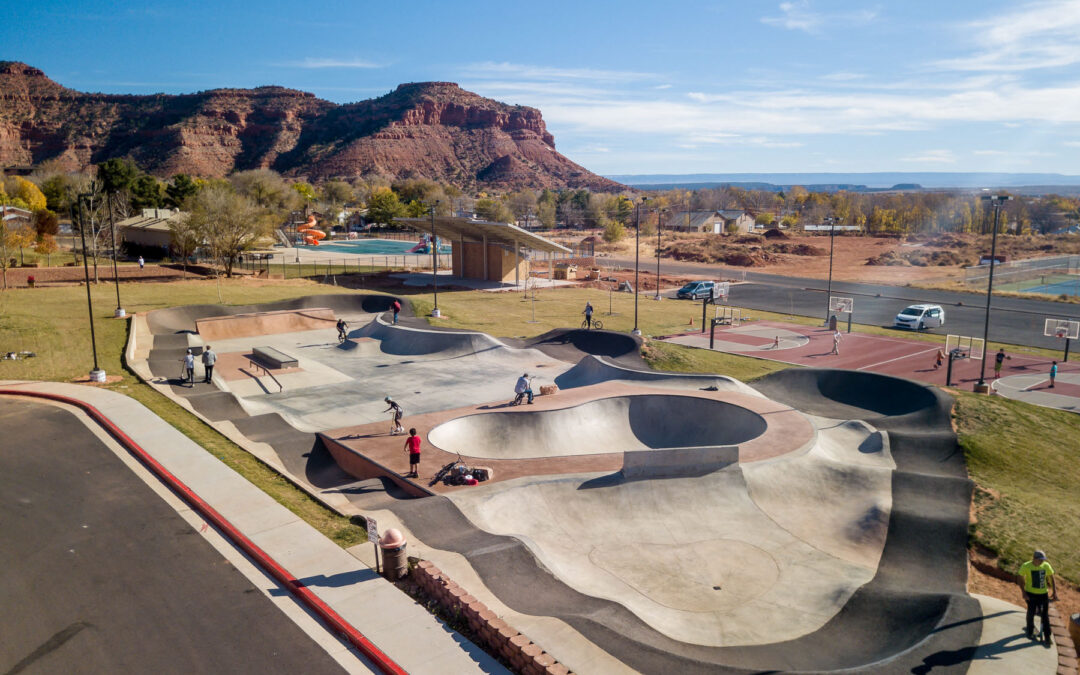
<point>278,572</point>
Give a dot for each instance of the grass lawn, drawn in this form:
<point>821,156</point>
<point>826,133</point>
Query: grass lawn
<point>52,322</point>
<point>1026,464</point>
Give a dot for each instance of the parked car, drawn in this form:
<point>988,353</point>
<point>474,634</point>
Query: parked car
<point>696,289</point>
<point>918,317</point>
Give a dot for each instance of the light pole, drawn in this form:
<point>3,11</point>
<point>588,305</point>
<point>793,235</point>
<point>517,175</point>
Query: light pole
<point>997,201</point>
<point>97,374</point>
<point>119,313</point>
<point>435,262</point>
<point>637,259</point>
<point>832,239</point>
<point>658,225</point>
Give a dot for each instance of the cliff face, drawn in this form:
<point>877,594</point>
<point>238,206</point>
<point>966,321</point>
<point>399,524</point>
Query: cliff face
<point>432,130</point>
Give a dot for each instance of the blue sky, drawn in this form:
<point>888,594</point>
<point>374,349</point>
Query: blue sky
<point>631,87</point>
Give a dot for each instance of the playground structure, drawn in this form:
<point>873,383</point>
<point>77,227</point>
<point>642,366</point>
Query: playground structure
<point>753,490</point>
<point>424,246</point>
<point>309,233</point>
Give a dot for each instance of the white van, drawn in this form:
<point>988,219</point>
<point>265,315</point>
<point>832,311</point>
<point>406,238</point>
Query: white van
<point>918,317</point>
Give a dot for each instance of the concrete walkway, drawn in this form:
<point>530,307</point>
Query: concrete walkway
<point>386,616</point>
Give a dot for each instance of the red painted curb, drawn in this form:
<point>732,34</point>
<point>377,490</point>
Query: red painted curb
<point>294,585</point>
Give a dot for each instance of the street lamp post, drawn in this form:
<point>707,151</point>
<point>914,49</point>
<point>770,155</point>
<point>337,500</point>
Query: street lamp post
<point>435,262</point>
<point>832,239</point>
<point>637,260</point>
<point>119,313</point>
<point>659,223</point>
<point>998,201</point>
<point>97,374</point>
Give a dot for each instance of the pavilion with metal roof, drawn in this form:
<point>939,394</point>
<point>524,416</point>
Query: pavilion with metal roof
<point>485,250</point>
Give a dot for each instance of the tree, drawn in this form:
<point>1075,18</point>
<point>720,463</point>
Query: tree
<point>228,223</point>
<point>522,203</point>
<point>185,237</point>
<point>179,190</point>
<point>147,193</point>
<point>306,192</point>
<point>494,211</point>
<point>765,218</point>
<point>27,193</point>
<point>264,187</point>
<point>545,212</point>
<point>383,206</point>
<point>337,193</point>
<point>117,175</point>
<point>613,231</point>
<point>46,246</point>
<point>45,224</point>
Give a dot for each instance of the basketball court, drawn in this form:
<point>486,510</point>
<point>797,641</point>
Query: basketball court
<point>1024,377</point>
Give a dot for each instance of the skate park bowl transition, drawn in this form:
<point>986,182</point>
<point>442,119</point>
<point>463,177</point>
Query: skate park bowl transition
<point>623,423</point>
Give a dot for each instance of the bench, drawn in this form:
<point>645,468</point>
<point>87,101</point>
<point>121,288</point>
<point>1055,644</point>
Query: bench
<point>272,357</point>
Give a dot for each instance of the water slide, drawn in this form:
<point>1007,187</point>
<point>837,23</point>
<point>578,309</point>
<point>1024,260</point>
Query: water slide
<point>311,235</point>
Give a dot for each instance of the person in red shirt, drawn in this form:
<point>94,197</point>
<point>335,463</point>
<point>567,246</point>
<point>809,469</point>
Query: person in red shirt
<point>412,446</point>
<point>397,308</point>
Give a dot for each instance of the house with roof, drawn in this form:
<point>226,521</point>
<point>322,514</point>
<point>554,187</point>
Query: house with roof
<point>712,222</point>
<point>150,229</point>
<point>15,217</point>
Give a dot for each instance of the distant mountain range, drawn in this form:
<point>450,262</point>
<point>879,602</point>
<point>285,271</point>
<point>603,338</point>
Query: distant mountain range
<point>433,130</point>
<point>855,182</point>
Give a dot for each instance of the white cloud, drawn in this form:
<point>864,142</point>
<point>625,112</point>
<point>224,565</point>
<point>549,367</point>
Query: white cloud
<point>798,15</point>
<point>1072,144</point>
<point>312,62</point>
<point>1036,35</point>
<point>843,77</point>
<point>662,86</point>
<point>931,157</point>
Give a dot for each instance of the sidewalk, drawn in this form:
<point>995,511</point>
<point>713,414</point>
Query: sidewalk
<point>371,605</point>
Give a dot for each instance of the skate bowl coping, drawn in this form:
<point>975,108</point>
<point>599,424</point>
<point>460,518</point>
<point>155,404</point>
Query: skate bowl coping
<point>615,424</point>
<point>265,323</point>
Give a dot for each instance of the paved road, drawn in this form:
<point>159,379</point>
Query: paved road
<point>1013,320</point>
<point>98,574</point>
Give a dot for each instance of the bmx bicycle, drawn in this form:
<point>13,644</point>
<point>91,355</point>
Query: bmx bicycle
<point>597,324</point>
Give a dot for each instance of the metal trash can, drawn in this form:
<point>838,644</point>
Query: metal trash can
<point>395,564</point>
<point>832,322</point>
<point>1074,628</point>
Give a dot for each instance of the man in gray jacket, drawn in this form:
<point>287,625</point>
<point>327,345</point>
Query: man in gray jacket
<point>209,358</point>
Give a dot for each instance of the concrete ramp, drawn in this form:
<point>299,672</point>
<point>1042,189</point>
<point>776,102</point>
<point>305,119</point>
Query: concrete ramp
<point>595,369</point>
<point>402,341</point>
<point>265,323</point>
<point>678,462</point>
<point>179,319</point>
<point>624,423</point>
<point>361,346</point>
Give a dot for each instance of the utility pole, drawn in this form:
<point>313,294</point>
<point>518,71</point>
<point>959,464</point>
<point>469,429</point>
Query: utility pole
<point>832,239</point>
<point>998,201</point>
<point>637,260</point>
<point>97,374</point>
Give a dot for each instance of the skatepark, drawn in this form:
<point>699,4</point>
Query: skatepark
<point>633,519</point>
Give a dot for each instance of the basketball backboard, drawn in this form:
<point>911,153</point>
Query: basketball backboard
<point>838,304</point>
<point>968,347</point>
<point>1062,328</point>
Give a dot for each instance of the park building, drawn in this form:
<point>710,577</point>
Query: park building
<point>710,222</point>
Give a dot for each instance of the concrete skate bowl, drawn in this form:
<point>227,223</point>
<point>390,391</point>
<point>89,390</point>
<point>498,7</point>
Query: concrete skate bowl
<point>617,424</point>
<point>182,319</point>
<point>850,393</point>
<point>402,341</point>
<point>571,344</point>
<point>594,370</point>
<point>912,613</point>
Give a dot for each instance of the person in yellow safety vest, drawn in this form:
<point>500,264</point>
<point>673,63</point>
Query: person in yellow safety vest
<point>1036,581</point>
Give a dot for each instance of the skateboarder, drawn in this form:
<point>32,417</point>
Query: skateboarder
<point>523,388</point>
<point>397,308</point>
<point>342,330</point>
<point>836,343</point>
<point>209,358</point>
<point>395,426</point>
<point>412,446</point>
<point>189,367</point>
<point>999,359</point>
<point>1053,373</point>
<point>588,318</point>
<point>1036,579</point>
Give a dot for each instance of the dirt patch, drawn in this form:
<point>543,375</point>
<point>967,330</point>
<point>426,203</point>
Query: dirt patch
<point>647,280</point>
<point>50,276</point>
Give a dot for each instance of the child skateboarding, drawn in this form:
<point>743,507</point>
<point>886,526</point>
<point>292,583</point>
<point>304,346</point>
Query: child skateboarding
<point>395,426</point>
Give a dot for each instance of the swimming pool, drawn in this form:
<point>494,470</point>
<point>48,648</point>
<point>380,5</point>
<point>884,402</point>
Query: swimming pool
<point>371,247</point>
